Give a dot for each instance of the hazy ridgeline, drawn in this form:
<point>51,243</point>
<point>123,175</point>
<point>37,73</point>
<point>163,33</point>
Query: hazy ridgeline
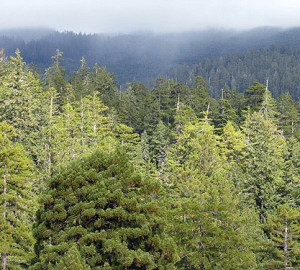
<point>146,56</point>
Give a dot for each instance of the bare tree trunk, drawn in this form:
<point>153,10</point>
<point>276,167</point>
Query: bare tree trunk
<point>286,246</point>
<point>49,138</point>
<point>82,122</point>
<point>4,253</point>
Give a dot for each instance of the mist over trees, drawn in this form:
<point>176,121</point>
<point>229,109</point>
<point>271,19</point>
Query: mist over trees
<point>219,56</point>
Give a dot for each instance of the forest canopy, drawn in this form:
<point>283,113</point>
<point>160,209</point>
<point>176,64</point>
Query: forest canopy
<point>160,177</point>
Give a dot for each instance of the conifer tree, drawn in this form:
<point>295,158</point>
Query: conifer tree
<point>291,172</point>
<point>205,214</point>
<point>126,138</point>
<point>199,98</point>
<point>112,216</point>
<point>159,142</point>
<point>81,80</point>
<point>226,112</point>
<point>233,143</point>
<point>283,229</point>
<point>254,96</point>
<point>17,201</point>
<point>104,83</point>
<point>19,106</point>
<point>263,163</point>
<point>269,107</point>
<point>72,260</point>
<point>56,75</point>
<point>289,114</point>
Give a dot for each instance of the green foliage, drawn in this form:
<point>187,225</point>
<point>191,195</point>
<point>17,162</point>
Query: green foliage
<point>72,260</point>
<point>269,107</point>
<point>17,201</point>
<point>56,75</point>
<point>292,172</point>
<point>112,214</point>
<point>254,96</point>
<point>19,102</point>
<point>283,229</point>
<point>289,113</point>
<point>221,186</point>
<point>263,163</point>
<point>205,216</point>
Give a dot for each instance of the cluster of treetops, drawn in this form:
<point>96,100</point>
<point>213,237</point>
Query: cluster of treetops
<point>163,178</point>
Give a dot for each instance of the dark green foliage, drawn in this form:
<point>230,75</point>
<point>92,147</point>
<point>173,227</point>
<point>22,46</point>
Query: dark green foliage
<point>72,260</point>
<point>226,111</point>
<point>111,214</point>
<point>254,96</point>
<point>279,65</point>
<point>289,114</point>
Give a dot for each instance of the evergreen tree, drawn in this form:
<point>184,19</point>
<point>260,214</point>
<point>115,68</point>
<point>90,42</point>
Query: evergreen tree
<point>56,75</point>
<point>263,163</point>
<point>126,138</point>
<point>226,112</point>
<point>104,83</point>
<point>289,112</point>
<point>110,213</point>
<point>291,172</point>
<point>254,96</point>
<point>269,107</point>
<point>199,99</point>
<point>233,143</point>
<point>81,80</point>
<point>19,106</point>
<point>95,124</point>
<point>283,229</point>
<point>159,142</point>
<point>17,202</point>
<point>205,218</point>
<point>72,260</point>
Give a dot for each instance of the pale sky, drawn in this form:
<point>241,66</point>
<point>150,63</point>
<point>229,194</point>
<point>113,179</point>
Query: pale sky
<point>123,16</point>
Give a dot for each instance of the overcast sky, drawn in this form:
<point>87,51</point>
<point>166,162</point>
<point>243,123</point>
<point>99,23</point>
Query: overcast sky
<point>116,16</point>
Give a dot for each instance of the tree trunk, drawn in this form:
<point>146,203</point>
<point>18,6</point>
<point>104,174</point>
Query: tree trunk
<point>286,246</point>
<point>49,138</point>
<point>4,253</point>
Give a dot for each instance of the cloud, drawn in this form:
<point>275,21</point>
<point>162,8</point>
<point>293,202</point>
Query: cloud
<point>155,15</point>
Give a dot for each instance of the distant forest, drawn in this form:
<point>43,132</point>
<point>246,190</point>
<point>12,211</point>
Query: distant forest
<point>231,58</point>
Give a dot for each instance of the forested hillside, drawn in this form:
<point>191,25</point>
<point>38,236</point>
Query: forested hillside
<point>145,56</point>
<point>166,177</point>
<point>277,65</point>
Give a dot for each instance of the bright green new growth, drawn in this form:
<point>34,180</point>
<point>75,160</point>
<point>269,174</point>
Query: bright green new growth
<point>110,213</point>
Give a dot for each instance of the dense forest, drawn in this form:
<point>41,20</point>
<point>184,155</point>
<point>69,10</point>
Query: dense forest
<point>235,58</point>
<point>161,177</point>
<point>277,65</point>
